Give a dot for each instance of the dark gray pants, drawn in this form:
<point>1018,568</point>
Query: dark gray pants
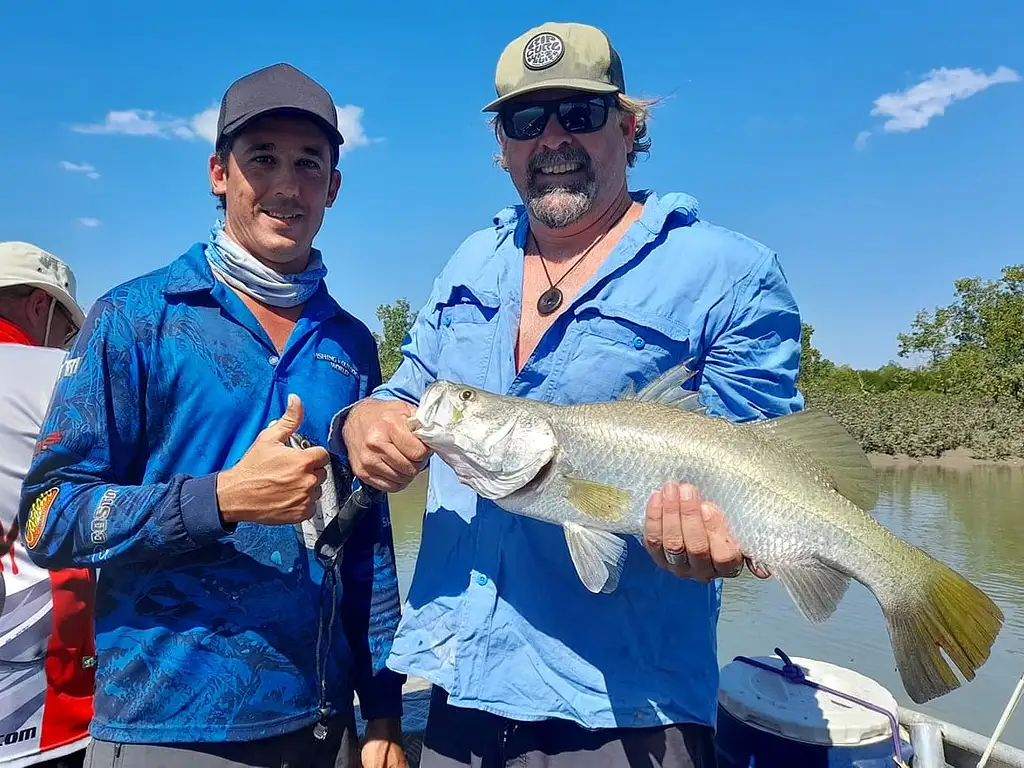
<point>467,738</point>
<point>289,750</point>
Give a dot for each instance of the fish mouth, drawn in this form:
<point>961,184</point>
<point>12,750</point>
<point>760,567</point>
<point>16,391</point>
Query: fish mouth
<point>435,412</point>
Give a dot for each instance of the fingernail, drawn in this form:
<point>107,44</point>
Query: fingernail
<point>671,492</point>
<point>705,511</point>
<point>686,492</point>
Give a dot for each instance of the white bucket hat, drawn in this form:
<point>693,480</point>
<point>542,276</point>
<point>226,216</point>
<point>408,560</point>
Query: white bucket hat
<point>27,264</point>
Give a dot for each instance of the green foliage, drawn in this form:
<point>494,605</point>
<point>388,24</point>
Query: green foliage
<point>396,320</point>
<point>813,367</point>
<point>967,393</point>
<point>974,347</point>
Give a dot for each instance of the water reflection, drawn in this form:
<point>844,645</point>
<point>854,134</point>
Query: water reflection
<point>970,519</point>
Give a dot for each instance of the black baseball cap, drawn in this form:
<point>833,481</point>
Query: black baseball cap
<point>277,88</point>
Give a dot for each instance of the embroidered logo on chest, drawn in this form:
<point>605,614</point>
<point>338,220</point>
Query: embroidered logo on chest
<point>341,366</point>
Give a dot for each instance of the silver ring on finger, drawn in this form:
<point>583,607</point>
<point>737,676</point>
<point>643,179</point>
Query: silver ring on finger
<point>676,559</point>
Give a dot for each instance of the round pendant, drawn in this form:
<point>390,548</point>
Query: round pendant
<point>549,301</point>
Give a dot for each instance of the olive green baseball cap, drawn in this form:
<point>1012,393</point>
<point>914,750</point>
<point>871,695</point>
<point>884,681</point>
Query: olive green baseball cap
<point>557,55</point>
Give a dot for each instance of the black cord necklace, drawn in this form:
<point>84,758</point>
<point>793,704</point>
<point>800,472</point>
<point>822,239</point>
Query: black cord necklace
<point>552,298</point>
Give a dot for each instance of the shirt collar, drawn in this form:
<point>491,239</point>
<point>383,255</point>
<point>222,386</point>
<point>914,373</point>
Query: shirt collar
<point>189,273</point>
<point>512,220</point>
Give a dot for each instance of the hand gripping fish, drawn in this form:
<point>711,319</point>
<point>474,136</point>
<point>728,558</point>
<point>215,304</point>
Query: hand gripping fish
<point>795,492</point>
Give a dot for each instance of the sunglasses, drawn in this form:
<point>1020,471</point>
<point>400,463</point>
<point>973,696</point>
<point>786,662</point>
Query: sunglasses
<point>73,331</point>
<point>575,115</point>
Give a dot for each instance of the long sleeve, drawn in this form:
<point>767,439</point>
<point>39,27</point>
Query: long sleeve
<point>81,503</point>
<point>751,365</point>
<point>371,605</point>
<point>418,368</point>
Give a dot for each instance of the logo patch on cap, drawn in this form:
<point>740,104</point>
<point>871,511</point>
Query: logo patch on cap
<point>543,50</point>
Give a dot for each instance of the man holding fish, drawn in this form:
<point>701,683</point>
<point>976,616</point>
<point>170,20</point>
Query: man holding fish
<point>582,292</point>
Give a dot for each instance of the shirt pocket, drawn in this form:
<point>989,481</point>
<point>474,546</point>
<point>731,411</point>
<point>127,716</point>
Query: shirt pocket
<point>467,323</point>
<point>619,346</point>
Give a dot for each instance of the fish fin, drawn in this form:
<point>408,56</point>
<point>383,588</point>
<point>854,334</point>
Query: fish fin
<point>667,389</point>
<point>829,446</point>
<point>598,556</point>
<point>816,588</point>
<point>936,610</point>
<point>604,502</point>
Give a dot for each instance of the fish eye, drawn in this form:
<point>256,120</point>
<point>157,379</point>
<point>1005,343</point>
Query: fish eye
<point>466,395</point>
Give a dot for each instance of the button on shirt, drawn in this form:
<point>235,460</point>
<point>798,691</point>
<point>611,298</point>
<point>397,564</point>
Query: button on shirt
<point>205,633</point>
<point>496,613</point>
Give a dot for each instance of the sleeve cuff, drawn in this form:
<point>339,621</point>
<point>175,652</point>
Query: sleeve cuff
<point>199,511</point>
<point>381,696</point>
<point>335,443</point>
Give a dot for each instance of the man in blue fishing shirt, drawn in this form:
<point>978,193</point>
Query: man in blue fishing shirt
<point>573,296</point>
<point>183,453</point>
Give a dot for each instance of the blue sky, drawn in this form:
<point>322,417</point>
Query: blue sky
<point>763,108</point>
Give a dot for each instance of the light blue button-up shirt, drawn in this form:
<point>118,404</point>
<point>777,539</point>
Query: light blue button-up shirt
<point>496,613</point>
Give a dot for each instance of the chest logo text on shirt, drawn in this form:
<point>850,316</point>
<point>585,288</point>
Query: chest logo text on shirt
<point>337,364</point>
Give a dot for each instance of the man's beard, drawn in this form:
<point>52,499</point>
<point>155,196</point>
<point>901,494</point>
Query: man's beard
<point>561,204</point>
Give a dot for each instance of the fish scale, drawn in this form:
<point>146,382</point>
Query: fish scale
<point>795,492</point>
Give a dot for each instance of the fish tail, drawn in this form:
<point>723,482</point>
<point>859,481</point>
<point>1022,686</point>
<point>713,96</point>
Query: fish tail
<point>938,611</point>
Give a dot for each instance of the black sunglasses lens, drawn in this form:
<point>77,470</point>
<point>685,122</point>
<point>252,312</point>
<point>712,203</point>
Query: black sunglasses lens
<point>575,116</point>
<point>526,122</point>
<point>582,116</point>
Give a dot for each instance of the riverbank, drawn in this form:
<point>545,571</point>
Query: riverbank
<point>909,428</point>
<point>959,459</point>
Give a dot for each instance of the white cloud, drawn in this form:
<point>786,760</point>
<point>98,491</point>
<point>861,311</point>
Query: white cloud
<point>913,108</point>
<point>350,123</point>
<point>147,122</point>
<point>203,125</point>
<point>85,221</point>
<point>85,168</point>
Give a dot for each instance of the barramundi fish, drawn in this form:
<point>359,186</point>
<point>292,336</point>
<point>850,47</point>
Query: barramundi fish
<point>795,492</point>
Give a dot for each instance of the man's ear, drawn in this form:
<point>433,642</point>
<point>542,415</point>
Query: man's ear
<point>500,157</point>
<point>334,188</point>
<point>627,122</point>
<point>37,306</point>
<point>218,176</point>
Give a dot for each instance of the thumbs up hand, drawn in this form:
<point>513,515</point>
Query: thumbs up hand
<point>274,484</point>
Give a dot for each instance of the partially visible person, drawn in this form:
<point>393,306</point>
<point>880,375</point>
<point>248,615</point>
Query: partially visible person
<point>47,653</point>
<point>188,454</point>
<point>37,305</point>
<point>579,291</point>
